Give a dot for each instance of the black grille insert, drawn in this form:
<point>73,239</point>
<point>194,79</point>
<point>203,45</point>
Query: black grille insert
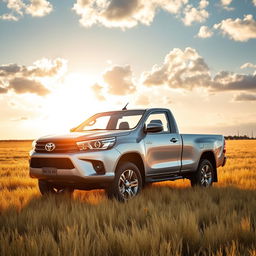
<point>60,147</point>
<point>59,163</point>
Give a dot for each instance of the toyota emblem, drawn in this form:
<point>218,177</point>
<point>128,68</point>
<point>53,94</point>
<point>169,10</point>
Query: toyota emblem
<point>49,146</point>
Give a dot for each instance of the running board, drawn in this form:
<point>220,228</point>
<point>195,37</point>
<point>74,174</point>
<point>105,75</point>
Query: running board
<point>161,178</point>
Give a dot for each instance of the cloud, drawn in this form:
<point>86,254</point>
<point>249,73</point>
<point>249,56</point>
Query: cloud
<point>225,80</point>
<point>16,6</point>
<point>187,70</point>
<point>225,4</point>
<point>39,8</point>
<point>123,13</point>
<point>9,69</point>
<point>40,68</point>
<point>203,4</point>
<point>24,85</point>
<point>119,80</point>
<point>27,79</point>
<point>238,29</point>
<point>245,97</point>
<point>254,2</point>
<point>3,90</point>
<point>8,16</point>
<point>193,14</point>
<point>248,65</point>
<point>97,90</point>
<point>204,32</point>
<point>181,69</point>
<point>36,8</point>
<point>47,67</point>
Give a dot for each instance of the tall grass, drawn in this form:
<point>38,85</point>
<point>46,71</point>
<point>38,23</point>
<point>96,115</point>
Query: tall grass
<point>169,218</point>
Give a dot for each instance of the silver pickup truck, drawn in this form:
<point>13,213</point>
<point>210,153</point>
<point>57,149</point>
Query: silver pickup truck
<point>122,151</point>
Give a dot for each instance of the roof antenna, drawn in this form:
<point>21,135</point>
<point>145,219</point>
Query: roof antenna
<point>125,107</point>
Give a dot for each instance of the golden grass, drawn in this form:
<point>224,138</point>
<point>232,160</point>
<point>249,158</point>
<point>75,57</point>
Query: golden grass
<point>169,218</point>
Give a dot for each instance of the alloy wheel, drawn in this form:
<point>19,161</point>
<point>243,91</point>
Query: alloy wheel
<point>206,176</point>
<point>128,184</point>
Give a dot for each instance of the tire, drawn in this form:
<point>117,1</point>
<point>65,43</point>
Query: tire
<point>46,188</point>
<point>203,177</point>
<point>127,182</point>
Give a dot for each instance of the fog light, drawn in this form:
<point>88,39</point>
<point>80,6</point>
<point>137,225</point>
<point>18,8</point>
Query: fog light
<point>98,167</point>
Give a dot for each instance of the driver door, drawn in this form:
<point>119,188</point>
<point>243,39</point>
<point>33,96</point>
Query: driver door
<point>163,149</point>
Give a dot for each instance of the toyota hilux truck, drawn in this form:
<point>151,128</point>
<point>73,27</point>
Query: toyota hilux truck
<point>122,151</point>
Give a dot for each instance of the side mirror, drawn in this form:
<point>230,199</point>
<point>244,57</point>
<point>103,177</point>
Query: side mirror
<point>154,127</point>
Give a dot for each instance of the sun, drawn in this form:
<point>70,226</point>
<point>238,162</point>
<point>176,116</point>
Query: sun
<point>71,102</point>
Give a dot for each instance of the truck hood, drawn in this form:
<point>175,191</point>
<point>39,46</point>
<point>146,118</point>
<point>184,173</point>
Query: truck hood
<point>80,136</point>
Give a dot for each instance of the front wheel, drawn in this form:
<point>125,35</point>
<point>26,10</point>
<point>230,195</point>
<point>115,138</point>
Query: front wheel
<point>127,182</point>
<point>47,188</point>
<point>204,175</point>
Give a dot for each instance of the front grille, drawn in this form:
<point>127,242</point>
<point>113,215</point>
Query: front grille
<point>59,163</point>
<point>60,147</point>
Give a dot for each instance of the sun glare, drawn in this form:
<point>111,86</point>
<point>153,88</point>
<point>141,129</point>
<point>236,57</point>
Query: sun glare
<point>70,103</point>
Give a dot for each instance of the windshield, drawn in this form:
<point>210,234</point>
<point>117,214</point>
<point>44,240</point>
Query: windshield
<point>117,120</point>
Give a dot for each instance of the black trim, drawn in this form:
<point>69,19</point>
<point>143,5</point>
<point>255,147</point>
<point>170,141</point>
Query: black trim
<point>59,163</point>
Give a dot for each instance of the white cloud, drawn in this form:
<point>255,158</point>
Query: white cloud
<point>98,92</point>
<point>238,29</point>
<point>193,14</point>
<point>16,5</point>
<point>8,16</point>
<point>187,70</point>
<point>28,79</point>
<point>123,13</point>
<point>254,2</point>
<point>204,32</point>
<point>203,4</point>
<point>119,80</point>
<point>39,8</point>
<point>181,69</point>
<point>248,65</point>
<point>225,4</point>
<point>36,8</point>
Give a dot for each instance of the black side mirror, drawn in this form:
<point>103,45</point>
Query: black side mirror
<point>154,127</point>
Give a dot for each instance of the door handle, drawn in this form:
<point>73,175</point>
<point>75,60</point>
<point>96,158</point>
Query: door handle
<point>174,140</point>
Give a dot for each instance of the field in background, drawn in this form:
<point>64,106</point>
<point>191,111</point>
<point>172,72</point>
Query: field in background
<point>169,218</point>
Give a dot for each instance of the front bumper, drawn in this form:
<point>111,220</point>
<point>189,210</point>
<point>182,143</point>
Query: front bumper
<point>83,172</point>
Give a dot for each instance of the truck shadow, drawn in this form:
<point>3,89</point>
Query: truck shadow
<point>157,192</point>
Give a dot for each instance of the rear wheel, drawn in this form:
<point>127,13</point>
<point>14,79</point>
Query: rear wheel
<point>47,188</point>
<point>127,182</point>
<point>204,175</point>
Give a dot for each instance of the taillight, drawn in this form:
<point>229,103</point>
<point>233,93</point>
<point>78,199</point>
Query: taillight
<point>224,148</point>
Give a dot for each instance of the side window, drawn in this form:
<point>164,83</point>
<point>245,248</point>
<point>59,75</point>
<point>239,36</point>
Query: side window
<point>129,121</point>
<point>159,118</point>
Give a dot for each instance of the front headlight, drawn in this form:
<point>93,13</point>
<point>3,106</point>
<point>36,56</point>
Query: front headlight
<point>96,144</point>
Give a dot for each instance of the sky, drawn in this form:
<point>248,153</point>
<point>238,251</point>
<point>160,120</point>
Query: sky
<point>62,61</point>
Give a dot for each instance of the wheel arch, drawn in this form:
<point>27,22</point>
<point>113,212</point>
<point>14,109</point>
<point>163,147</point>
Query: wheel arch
<point>135,158</point>
<point>209,155</point>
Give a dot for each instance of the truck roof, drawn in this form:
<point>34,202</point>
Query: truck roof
<point>142,109</point>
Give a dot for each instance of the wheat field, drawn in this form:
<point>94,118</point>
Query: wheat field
<point>169,218</point>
